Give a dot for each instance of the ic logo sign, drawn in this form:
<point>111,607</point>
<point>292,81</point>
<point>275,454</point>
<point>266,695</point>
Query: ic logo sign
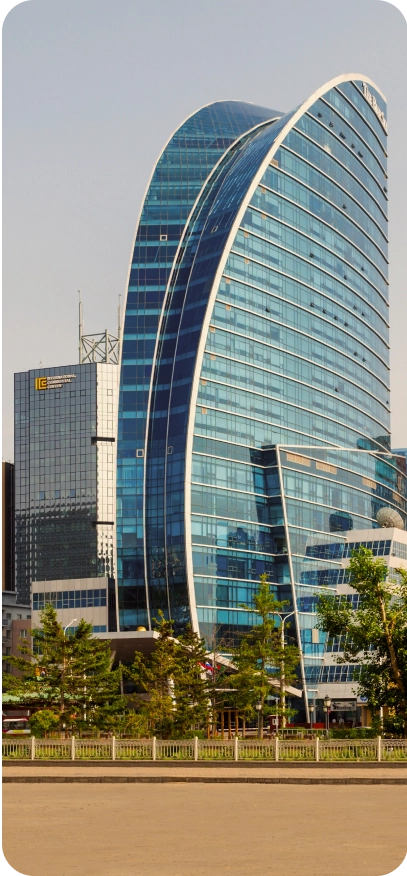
<point>41,383</point>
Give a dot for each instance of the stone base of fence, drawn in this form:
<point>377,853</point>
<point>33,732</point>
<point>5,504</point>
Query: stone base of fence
<point>281,751</point>
<point>288,767</point>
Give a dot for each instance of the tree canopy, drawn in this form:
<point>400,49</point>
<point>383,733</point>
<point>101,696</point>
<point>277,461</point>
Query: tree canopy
<point>175,685</point>
<point>374,634</point>
<point>263,657</point>
<point>70,675</point>
<point>71,679</point>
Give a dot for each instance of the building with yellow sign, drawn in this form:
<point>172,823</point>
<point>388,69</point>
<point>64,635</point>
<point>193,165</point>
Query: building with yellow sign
<point>65,463</point>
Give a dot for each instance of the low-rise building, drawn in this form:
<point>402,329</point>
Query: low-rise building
<point>90,599</point>
<point>338,681</point>
<point>16,625</point>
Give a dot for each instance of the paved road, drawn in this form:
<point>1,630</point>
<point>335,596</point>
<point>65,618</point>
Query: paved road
<point>204,830</point>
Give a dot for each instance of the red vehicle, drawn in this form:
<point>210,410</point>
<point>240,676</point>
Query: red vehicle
<point>14,726</point>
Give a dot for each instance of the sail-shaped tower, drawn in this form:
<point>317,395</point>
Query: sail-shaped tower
<point>254,395</point>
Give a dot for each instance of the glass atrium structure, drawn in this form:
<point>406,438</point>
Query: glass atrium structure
<point>254,407</point>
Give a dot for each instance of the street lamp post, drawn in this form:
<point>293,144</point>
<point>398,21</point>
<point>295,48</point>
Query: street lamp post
<point>283,619</point>
<point>311,715</point>
<point>312,707</point>
<point>258,709</point>
<point>73,621</point>
<point>327,706</point>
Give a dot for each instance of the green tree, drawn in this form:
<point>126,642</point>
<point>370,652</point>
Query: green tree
<point>219,680</point>
<point>71,675</point>
<point>154,677</point>
<point>43,721</point>
<point>375,634</point>
<point>191,687</point>
<point>262,658</point>
<point>135,725</point>
<point>173,682</point>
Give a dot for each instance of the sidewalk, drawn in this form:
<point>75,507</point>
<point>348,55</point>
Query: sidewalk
<point>314,774</point>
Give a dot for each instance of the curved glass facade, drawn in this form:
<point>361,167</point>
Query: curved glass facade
<point>178,177</point>
<point>256,332</point>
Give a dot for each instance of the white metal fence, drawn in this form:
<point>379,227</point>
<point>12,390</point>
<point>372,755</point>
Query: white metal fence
<point>394,749</point>
<point>256,749</point>
<point>304,750</point>
<point>350,749</point>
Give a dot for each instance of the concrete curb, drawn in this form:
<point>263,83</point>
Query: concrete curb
<point>207,764</point>
<point>238,780</point>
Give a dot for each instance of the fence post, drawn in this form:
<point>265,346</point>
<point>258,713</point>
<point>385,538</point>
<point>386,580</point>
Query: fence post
<point>379,748</point>
<point>317,749</point>
<point>113,748</point>
<point>32,747</point>
<point>236,748</point>
<point>72,748</point>
<point>154,748</point>
<point>195,748</point>
<point>277,751</point>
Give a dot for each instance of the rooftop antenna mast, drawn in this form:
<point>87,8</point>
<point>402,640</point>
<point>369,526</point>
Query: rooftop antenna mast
<point>103,347</point>
<point>80,327</point>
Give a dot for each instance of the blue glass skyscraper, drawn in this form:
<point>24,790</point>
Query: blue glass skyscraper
<point>254,396</point>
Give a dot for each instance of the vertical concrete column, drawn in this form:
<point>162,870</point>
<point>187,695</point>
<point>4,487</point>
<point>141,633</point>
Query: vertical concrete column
<point>195,748</point>
<point>379,748</point>
<point>236,748</point>
<point>154,748</point>
<point>277,751</point>
<point>317,749</point>
<point>113,748</point>
<point>32,747</point>
<point>72,748</point>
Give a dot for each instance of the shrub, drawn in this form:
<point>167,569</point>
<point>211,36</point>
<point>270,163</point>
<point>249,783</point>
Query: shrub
<point>43,721</point>
<point>353,733</point>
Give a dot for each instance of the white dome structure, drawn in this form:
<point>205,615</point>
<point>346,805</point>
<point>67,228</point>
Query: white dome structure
<point>389,517</point>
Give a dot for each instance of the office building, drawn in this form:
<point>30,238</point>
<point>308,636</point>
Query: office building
<point>16,625</point>
<point>255,334</point>
<point>7,526</point>
<point>65,464</point>
<point>338,680</point>
<point>16,616</point>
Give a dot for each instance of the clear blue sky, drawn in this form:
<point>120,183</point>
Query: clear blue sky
<point>93,89</point>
